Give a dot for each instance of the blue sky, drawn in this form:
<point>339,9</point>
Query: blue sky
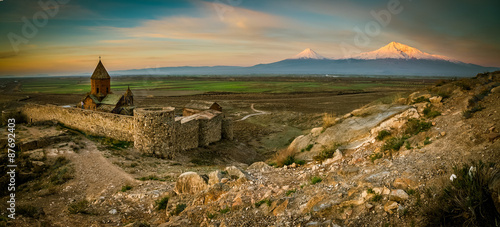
<point>139,34</point>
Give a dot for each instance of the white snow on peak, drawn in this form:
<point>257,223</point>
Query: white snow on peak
<point>396,50</point>
<point>308,54</point>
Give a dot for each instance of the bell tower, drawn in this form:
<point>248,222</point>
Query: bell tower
<point>100,82</point>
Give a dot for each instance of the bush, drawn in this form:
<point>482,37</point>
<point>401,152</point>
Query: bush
<point>284,157</point>
<point>466,201</point>
<point>415,126</point>
<point>162,203</point>
<point>62,175</point>
<point>316,180</point>
<point>266,201</point>
<point>289,160</point>
<point>178,209</point>
<point>225,210</point>
<point>289,192</point>
<point>421,99</point>
<point>30,211</point>
<point>375,156</point>
<point>79,207</point>
<point>328,120</point>
<point>382,134</point>
<point>309,147</point>
<point>427,141</point>
<point>468,113</point>
<point>126,188</point>
<point>376,197</point>
<point>429,113</point>
<point>394,143</point>
<point>211,216</point>
<point>326,153</point>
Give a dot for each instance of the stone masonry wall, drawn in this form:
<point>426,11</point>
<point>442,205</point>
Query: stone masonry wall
<point>210,129</point>
<point>187,134</point>
<point>154,131</point>
<point>119,127</point>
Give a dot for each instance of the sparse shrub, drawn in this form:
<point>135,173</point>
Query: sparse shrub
<point>289,192</point>
<point>211,216</point>
<point>328,120</point>
<point>394,143</point>
<point>464,84</point>
<point>375,156</point>
<point>468,113</point>
<point>427,141</point>
<point>441,82</point>
<point>162,203</point>
<point>300,162</point>
<point>289,160</point>
<point>370,191</point>
<point>79,207</point>
<point>377,197</point>
<point>421,99</point>
<point>382,134</point>
<point>266,201</point>
<point>466,201</point>
<point>62,175</point>
<point>429,113</point>
<point>178,209</point>
<point>410,191</point>
<point>30,211</point>
<point>126,188</point>
<point>284,157</point>
<point>316,180</point>
<point>408,145</point>
<point>225,210</point>
<point>326,153</point>
<point>415,126</point>
<point>151,177</point>
<point>140,224</point>
<point>309,147</point>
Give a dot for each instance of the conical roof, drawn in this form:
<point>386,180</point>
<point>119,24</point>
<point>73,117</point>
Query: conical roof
<point>128,92</point>
<point>100,72</point>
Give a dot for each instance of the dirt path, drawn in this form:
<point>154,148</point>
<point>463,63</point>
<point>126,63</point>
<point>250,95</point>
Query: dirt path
<point>259,112</point>
<point>95,175</point>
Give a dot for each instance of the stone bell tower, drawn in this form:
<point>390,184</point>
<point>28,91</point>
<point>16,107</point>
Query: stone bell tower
<point>100,82</point>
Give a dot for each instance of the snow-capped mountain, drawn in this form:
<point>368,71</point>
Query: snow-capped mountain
<point>308,54</point>
<point>396,50</point>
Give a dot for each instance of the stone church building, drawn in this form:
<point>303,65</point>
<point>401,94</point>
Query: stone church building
<point>102,99</point>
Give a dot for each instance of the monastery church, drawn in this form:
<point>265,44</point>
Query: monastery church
<point>102,99</point>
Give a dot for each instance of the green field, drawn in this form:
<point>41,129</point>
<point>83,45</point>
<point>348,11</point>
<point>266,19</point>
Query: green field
<point>255,85</point>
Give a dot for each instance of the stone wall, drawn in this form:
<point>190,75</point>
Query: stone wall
<point>210,127</point>
<point>187,134</point>
<point>155,131</point>
<point>119,127</point>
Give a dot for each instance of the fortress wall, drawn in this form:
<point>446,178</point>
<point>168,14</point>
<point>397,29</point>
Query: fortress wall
<point>119,127</point>
<point>154,131</point>
<point>227,129</point>
<point>187,134</point>
<point>210,129</point>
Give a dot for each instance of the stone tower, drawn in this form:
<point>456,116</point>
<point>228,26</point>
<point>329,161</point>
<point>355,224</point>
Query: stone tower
<point>100,82</point>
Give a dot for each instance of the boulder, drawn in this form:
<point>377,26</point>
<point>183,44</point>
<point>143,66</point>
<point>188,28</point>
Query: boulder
<point>214,177</point>
<point>391,205</point>
<point>403,183</point>
<point>398,195</point>
<point>336,157</point>
<point>495,90</point>
<point>316,131</point>
<point>190,183</point>
<point>235,171</point>
<point>260,167</point>
<point>436,100</point>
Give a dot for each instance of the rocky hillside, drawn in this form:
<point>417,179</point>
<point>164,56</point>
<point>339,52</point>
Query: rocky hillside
<point>380,165</point>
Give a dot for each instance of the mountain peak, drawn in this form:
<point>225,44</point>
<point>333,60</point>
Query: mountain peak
<point>308,53</point>
<point>395,50</point>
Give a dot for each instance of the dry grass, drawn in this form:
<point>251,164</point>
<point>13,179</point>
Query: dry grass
<point>283,156</point>
<point>328,120</point>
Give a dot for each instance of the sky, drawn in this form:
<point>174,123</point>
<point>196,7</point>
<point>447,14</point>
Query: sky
<point>66,37</point>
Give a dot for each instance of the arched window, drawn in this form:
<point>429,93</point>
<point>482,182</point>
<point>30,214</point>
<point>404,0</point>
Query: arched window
<point>107,91</point>
<point>97,91</point>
